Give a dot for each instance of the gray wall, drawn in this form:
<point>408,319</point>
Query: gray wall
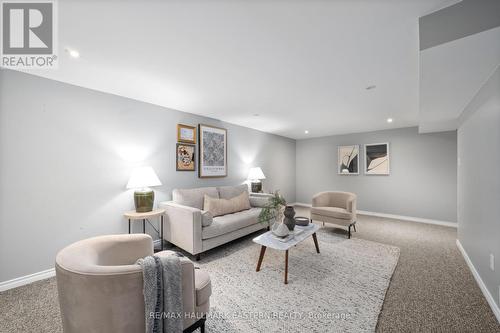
<point>423,175</point>
<point>460,20</point>
<point>479,183</point>
<point>66,155</point>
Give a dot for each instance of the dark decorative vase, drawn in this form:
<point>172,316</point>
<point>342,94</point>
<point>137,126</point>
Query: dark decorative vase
<point>289,220</point>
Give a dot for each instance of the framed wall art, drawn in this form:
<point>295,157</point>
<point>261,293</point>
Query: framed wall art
<point>348,160</point>
<point>185,160</point>
<point>377,159</point>
<point>186,133</point>
<point>212,157</point>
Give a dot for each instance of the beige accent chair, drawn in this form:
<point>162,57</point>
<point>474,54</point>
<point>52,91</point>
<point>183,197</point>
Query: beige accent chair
<point>100,286</point>
<point>335,207</point>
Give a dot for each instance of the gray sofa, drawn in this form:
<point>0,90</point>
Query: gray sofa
<point>194,230</point>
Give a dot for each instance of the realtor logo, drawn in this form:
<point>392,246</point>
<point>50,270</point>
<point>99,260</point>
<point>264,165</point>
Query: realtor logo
<point>28,35</point>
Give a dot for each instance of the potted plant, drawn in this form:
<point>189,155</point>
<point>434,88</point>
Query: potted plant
<point>273,209</point>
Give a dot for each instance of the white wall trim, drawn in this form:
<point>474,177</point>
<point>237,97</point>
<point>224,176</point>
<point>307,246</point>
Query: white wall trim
<point>397,217</point>
<point>491,301</point>
<point>27,279</point>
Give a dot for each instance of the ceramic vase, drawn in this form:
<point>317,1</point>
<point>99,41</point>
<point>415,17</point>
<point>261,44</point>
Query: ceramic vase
<point>280,230</point>
<point>289,220</point>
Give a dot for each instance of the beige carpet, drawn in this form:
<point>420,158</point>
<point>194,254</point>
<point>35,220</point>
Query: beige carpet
<point>432,289</point>
<point>341,289</point>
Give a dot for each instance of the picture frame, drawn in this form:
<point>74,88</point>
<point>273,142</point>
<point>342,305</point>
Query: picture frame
<point>212,151</point>
<point>186,133</point>
<point>185,157</point>
<point>377,159</point>
<point>348,160</point>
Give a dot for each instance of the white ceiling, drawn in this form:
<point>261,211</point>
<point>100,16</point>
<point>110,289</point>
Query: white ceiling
<point>298,64</point>
<point>450,76</point>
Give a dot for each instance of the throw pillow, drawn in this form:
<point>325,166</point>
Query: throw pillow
<point>206,218</point>
<point>220,207</point>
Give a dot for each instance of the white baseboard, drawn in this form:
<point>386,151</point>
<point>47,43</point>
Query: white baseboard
<point>410,218</point>
<point>491,301</point>
<point>397,217</point>
<point>300,204</point>
<point>27,279</point>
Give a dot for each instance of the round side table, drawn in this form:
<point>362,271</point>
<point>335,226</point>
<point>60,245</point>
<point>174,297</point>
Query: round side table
<point>135,216</point>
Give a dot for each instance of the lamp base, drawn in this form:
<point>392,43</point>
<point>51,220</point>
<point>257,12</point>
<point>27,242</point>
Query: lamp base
<point>144,200</point>
<point>256,187</point>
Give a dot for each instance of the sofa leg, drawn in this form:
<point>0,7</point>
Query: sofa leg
<point>354,226</point>
<point>349,232</point>
<point>202,327</point>
<point>197,257</point>
<point>323,224</point>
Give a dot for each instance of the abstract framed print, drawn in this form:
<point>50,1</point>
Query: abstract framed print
<point>377,159</point>
<point>348,160</point>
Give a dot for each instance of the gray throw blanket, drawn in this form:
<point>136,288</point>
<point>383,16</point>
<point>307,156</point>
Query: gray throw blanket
<point>162,293</point>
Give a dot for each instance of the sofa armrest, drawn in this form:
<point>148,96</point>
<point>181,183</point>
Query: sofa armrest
<point>259,199</point>
<point>261,195</point>
<point>351,204</point>
<point>183,226</point>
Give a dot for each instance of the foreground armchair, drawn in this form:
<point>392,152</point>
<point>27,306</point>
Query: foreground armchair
<point>335,207</point>
<point>100,286</point>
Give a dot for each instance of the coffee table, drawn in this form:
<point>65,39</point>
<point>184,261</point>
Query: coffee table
<point>269,240</point>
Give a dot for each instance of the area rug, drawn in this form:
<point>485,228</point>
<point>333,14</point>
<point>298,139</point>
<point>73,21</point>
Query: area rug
<point>342,289</point>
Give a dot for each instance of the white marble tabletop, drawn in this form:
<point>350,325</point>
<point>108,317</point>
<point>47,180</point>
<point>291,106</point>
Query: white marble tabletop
<point>269,240</point>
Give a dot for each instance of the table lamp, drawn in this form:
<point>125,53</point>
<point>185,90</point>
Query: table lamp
<point>255,176</point>
<point>142,179</point>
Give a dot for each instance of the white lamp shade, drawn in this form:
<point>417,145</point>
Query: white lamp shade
<point>256,174</point>
<point>143,177</point>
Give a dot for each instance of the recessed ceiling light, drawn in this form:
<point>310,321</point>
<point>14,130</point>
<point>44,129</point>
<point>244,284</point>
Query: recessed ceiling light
<point>73,53</point>
<point>371,87</point>
<point>306,131</point>
<point>256,114</point>
<point>389,120</point>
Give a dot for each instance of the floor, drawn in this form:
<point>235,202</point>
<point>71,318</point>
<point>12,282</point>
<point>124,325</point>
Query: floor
<point>432,289</point>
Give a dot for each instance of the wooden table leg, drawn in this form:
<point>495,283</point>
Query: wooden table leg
<point>316,242</point>
<point>261,257</point>
<point>286,267</point>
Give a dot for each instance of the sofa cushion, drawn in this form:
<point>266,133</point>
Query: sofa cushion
<point>206,218</point>
<point>335,212</point>
<point>203,286</point>
<point>224,224</point>
<point>259,201</point>
<point>220,207</point>
<point>228,192</point>
<point>193,197</point>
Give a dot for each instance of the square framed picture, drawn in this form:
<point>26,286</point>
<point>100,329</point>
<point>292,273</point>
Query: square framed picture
<point>377,159</point>
<point>212,157</point>
<point>186,134</point>
<point>348,160</point>
<point>185,160</point>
